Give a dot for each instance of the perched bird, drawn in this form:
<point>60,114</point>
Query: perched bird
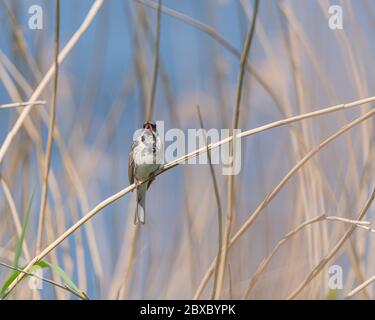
<point>145,159</point>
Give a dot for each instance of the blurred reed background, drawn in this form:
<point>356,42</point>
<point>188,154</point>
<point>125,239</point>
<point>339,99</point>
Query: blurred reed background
<point>292,199</point>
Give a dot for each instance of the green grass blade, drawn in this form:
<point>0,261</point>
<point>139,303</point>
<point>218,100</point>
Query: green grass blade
<point>23,231</point>
<point>18,253</point>
<point>69,282</point>
<point>7,283</point>
<point>41,265</point>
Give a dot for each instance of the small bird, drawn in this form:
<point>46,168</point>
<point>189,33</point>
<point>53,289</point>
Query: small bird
<point>145,159</point>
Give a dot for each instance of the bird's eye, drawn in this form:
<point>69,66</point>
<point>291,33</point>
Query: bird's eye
<point>143,139</point>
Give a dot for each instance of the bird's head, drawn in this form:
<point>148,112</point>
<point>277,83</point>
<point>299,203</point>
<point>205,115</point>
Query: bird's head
<point>149,125</point>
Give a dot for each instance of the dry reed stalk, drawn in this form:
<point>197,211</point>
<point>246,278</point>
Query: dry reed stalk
<point>21,104</point>
<point>17,76</point>
<point>229,220</point>
<point>15,215</point>
<point>360,287</point>
<point>263,265</point>
<point>123,292</point>
<point>219,209</point>
<point>31,130</point>
<point>273,193</point>
<point>65,51</point>
<point>307,176</point>
<point>47,159</point>
<point>334,250</point>
<point>140,60</point>
<point>326,84</point>
<point>357,75</point>
<point>150,105</point>
<point>298,143</point>
<point>81,261</point>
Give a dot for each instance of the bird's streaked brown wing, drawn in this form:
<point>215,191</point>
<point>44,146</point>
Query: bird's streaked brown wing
<point>131,163</point>
<point>149,183</point>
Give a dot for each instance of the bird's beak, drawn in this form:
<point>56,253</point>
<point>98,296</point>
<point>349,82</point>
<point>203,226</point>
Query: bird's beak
<point>148,126</point>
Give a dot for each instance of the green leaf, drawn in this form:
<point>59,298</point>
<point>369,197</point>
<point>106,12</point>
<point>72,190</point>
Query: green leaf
<point>17,256</point>
<point>41,265</point>
<point>7,283</point>
<point>23,232</point>
<point>69,282</point>
<point>332,294</point>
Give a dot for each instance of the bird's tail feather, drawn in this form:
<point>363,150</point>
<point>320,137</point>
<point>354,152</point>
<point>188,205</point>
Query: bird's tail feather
<point>140,214</point>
